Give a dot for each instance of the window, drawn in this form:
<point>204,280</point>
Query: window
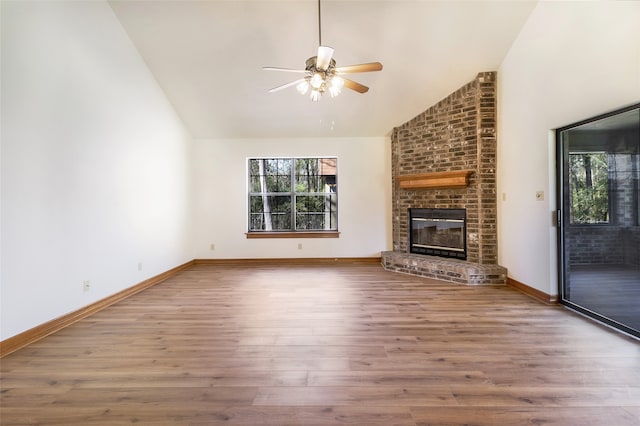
<point>292,195</point>
<point>589,183</point>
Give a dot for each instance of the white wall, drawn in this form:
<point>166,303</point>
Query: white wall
<point>364,198</point>
<point>95,175</point>
<point>571,61</point>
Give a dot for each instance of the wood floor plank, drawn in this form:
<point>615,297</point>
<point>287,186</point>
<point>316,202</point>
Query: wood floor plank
<point>216,415</point>
<point>491,416</point>
<point>403,396</point>
<point>556,396</point>
<point>324,345</point>
<point>396,378</point>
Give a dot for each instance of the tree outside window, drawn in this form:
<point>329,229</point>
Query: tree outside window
<point>589,183</point>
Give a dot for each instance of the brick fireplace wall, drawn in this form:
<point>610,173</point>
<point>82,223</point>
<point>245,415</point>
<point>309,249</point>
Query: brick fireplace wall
<point>458,133</point>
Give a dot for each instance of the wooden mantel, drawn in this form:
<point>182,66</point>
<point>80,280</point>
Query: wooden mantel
<point>436,180</point>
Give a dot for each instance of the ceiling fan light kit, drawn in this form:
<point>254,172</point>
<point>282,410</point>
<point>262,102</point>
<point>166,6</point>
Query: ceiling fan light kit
<point>322,75</point>
<point>319,81</point>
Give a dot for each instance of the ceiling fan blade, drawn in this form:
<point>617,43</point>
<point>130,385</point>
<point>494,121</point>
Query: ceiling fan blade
<point>353,85</point>
<point>368,67</point>
<point>325,53</point>
<point>282,69</point>
<point>284,86</point>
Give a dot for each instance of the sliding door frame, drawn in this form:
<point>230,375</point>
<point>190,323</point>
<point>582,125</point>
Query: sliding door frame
<point>562,220</point>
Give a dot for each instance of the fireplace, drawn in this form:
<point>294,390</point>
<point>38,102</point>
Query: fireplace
<point>457,134</point>
<point>438,232</point>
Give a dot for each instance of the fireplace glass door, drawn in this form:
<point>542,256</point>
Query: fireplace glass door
<point>599,227</point>
<point>438,232</point>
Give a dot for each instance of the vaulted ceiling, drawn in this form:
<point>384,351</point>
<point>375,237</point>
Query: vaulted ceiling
<point>208,58</point>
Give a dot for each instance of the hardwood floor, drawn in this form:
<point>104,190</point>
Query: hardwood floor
<point>324,345</point>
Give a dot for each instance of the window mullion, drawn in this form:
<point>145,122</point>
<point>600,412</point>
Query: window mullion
<point>293,195</point>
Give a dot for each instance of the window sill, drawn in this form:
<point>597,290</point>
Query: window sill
<point>285,234</point>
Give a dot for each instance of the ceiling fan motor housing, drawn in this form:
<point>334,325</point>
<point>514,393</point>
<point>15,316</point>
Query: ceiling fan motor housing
<point>310,65</point>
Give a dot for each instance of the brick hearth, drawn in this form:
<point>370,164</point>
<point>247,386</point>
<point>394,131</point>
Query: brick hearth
<point>440,268</point>
<point>456,134</point>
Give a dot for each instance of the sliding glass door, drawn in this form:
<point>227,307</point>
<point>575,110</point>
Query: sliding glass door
<point>599,227</point>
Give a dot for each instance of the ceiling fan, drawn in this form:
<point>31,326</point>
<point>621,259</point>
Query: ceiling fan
<point>322,75</point>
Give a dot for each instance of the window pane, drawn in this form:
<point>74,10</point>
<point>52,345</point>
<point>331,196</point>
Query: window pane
<point>316,212</point>
<point>254,183</point>
<point>328,171</point>
<point>589,182</point>
<point>315,175</point>
<point>283,183</point>
<point>270,213</point>
<point>306,169</point>
<point>270,175</point>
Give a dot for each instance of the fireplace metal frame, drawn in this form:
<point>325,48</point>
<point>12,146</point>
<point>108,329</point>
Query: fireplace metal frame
<point>435,215</point>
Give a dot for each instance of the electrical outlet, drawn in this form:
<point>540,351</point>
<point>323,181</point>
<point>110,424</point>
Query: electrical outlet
<point>212,247</point>
<point>86,285</point>
<point>139,266</point>
<point>539,195</point>
<point>299,246</point>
